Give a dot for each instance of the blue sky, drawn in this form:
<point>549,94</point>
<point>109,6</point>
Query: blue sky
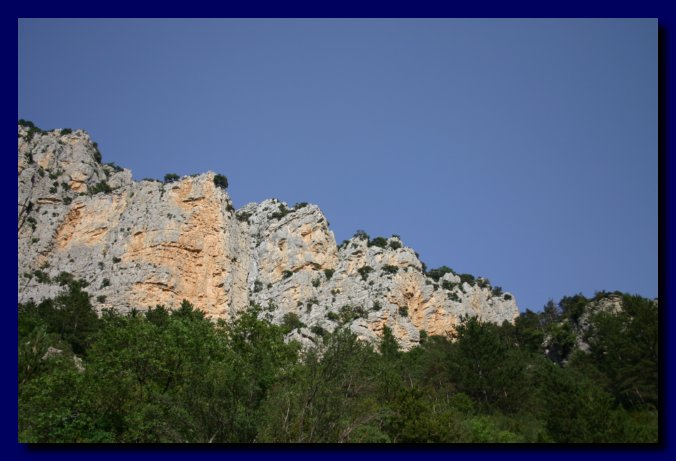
<point>521,150</point>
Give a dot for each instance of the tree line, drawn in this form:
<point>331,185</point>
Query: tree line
<point>566,374</point>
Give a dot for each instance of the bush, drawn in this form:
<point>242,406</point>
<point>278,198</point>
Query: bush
<point>291,322</point>
<point>316,282</point>
<point>454,297</point>
<point>300,205</point>
<point>311,302</point>
<point>32,129</point>
<point>171,177</point>
<point>41,276</point>
<point>221,181</point>
<point>378,242</point>
<point>258,286</point>
<point>403,311</point>
<point>467,278</point>
<point>116,260</point>
<point>317,330</point>
<point>446,285</point>
<point>483,282</point>
<point>286,274</point>
<point>329,273</point>
<point>105,283</point>
<point>436,274</point>
<point>395,244</point>
<point>349,313</point>
<point>389,269</point>
<point>101,187</point>
<point>66,131</point>
<point>507,296</point>
<point>364,272</point>
<point>114,166</point>
<point>243,216</point>
<point>332,316</point>
<point>97,153</point>
<point>361,235</point>
<point>497,291</point>
<point>64,278</point>
<point>101,298</point>
<point>283,211</point>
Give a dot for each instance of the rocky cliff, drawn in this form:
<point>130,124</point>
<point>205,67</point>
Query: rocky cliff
<point>143,243</point>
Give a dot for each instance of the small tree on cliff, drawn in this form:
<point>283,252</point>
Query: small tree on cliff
<point>221,181</point>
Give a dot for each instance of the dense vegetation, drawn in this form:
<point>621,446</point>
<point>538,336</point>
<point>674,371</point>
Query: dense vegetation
<point>174,376</point>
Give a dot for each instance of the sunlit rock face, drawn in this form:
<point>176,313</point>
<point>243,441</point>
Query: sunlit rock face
<point>143,243</point>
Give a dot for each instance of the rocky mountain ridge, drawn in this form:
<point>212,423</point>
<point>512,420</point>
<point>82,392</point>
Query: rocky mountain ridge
<point>143,243</point>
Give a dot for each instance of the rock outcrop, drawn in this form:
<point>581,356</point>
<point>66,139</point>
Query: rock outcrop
<point>143,243</point>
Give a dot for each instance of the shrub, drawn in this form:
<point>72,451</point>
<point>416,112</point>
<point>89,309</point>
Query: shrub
<point>286,274</point>
<point>101,298</point>
<point>114,166</point>
<point>101,187</point>
<point>243,216</point>
<point>311,302</point>
<point>258,286</point>
<point>283,211</point>
<point>26,123</point>
<point>29,157</point>
<point>291,322</point>
<point>221,181</point>
<point>116,260</point>
<point>395,244</point>
<point>389,269</point>
<point>64,278</point>
<point>97,153</point>
<point>467,278</point>
<point>41,277</point>
<point>171,177</point>
<point>446,285</point>
<point>454,297</point>
<point>403,311</point>
<point>364,272</point>
<point>380,242</point>
<point>105,283</point>
<point>66,131</point>
<point>361,235</point>
<point>376,306</point>
<point>483,282</point>
<point>507,296</point>
<point>32,129</point>
<point>349,313</point>
<point>319,331</point>
<point>300,205</point>
<point>316,282</point>
<point>329,273</point>
<point>497,291</point>
<point>436,274</point>
<point>332,316</point>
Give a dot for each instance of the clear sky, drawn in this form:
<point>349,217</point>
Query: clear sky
<point>521,150</point>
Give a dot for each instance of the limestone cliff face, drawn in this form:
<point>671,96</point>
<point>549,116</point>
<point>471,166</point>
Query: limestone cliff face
<point>140,244</point>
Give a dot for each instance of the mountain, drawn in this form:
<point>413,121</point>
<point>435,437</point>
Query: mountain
<point>142,243</point>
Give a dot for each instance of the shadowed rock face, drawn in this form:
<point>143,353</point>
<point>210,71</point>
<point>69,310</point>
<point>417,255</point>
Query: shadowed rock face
<point>146,243</point>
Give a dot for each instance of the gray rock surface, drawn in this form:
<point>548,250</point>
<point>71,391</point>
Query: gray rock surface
<point>143,243</point>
